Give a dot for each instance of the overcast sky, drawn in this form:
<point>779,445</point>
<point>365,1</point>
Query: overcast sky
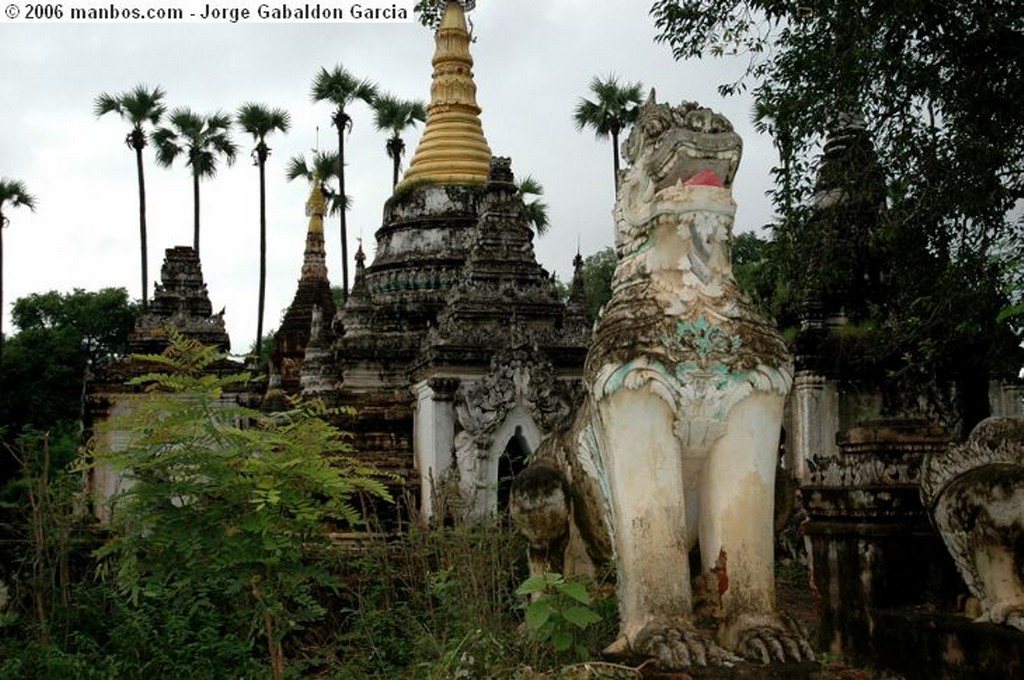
<point>533,60</point>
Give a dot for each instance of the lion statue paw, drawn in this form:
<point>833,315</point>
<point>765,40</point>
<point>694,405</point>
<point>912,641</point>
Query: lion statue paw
<point>771,638</point>
<point>673,644</point>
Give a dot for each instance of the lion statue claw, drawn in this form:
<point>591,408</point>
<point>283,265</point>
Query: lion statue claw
<point>676,443</point>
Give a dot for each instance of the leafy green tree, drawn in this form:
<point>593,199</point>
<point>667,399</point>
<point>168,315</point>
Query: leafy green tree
<point>597,280</point>
<point>323,165</point>
<point>139,106</point>
<point>14,194</point>
<point>202,140</point>
<point>430,12</point>
<point>225,514</point>
<point>342,89</point>
<point>536,210</point>
<point>950,142</point>
<point>397,115</point>
<point>260,121</point>
<point>59,336</point>
<point>614,107</point>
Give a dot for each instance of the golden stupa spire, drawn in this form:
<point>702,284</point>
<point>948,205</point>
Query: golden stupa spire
<point>316,205</point>
<point>453,149</point>
<point>314,261</point>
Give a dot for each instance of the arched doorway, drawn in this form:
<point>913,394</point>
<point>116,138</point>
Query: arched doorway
<point>510,463</point>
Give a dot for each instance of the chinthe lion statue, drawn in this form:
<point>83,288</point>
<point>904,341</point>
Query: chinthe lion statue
<point>676,443</point>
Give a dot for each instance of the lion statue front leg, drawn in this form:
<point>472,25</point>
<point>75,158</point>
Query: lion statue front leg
<point>736,534</point>
<point>648,511</point>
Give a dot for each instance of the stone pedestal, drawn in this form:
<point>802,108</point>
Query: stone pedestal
<point>921,645</point>
<point>871,542</point>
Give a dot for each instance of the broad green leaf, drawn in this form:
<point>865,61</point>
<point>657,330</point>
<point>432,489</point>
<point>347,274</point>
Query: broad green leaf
<point>534,584</point>
<point>562,641</point>
<point>537,614</point>
<point>576,591</point>
<point>581,617</point>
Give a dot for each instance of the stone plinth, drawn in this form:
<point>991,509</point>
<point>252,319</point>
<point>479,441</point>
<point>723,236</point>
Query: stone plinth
<point>871,542</point>
<point>922,645</point>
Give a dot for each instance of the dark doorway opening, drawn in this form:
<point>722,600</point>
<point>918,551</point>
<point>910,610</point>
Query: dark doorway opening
<point>511,463</point>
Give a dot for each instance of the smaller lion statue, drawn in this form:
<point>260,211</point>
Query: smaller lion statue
<point>676,443</point>
<point>975,492</point>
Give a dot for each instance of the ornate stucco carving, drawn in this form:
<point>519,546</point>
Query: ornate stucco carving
<point>518,377</point>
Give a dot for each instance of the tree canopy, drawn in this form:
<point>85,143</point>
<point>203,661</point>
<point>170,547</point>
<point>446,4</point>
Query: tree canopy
<point>936,86</point>
<point>43,372</point>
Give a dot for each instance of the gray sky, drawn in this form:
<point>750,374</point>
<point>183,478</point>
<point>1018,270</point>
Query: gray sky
<point>533,60</point>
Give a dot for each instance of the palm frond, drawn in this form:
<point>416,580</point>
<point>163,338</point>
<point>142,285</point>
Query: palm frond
<point>15,193</point>
<point>259,120</point>
<point>202,138</point>
<point>613,107</point>
<point>142,104</point>
<point>341,88</point>
<point>535,212</point>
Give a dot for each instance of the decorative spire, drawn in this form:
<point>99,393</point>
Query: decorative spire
<point>577,290</point>
<point>314,260</point>
<point>355,318</point>
<point>359,283</point>
<point>453,149</point>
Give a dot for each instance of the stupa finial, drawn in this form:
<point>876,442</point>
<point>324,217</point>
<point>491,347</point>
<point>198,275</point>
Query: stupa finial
<point>314,262</point>
<point>316,205</point>
<point>453,149</point>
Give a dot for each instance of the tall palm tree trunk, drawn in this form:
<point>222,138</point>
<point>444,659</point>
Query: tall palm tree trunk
<point>142,227</point>
<point>344,209</point>
<point>263,254</point>
<point>615,160</point>
<point>195,212</point>
<point>395,161</point>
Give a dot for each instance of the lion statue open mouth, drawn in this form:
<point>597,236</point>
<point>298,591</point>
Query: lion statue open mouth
<point>676,443</point>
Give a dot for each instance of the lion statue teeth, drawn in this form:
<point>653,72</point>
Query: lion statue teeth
<point>676,443</point>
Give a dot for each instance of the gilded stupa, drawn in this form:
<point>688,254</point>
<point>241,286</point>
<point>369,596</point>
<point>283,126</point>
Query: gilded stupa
<point>453,149</point>
<point>312,292</point>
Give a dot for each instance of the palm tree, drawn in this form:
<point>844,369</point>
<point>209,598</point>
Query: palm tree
<point>396,115</point>
<point>341,88</point>
<point>202,139</point>
<point>536,211</point>
<point>259,121</point>
<point>138,106</point>
<point>614,107</point>
<point>324,165</point>
<point>14,194</point>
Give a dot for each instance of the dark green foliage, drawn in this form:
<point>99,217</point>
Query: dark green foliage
<point>920,255</point>
<point>430,12</point>
<point>559,612</point>
<point>597,280</point>
<point>755,266</point>
<point>224,517</point>
<point>44,364</point>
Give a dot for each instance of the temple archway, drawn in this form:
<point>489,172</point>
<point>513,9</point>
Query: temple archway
<point>511,462</point>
